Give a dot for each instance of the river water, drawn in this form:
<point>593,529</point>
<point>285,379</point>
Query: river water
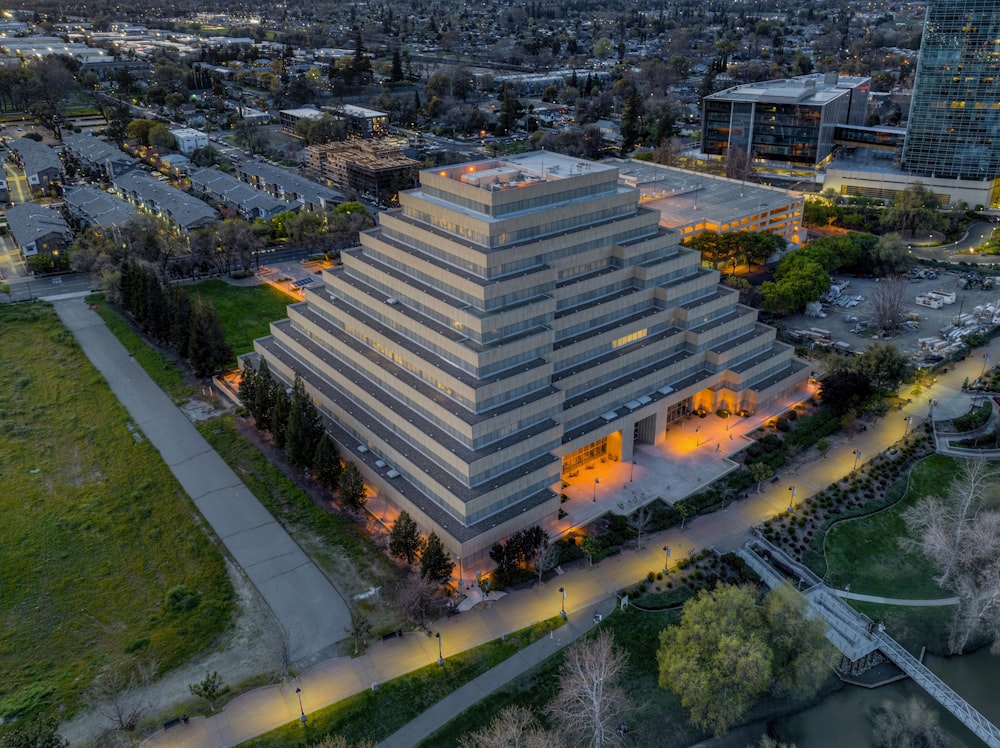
<point>842,719</point>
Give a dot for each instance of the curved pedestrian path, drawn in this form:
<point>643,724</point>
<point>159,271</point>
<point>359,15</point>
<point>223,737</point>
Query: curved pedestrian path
<point>257,712</point>
<point>312,614</point>
<point>938,602</point>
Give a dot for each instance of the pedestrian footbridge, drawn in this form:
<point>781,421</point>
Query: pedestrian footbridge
<point>857,636</point>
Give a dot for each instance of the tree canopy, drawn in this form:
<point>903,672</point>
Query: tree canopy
<point>731,649</point>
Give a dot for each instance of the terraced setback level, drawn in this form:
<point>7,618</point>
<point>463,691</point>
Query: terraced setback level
<point>104,563</point>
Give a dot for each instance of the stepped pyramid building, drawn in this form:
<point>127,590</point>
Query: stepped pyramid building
<point>512,320</point>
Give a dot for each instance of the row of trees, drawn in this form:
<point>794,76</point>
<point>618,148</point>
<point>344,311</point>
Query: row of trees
<point>190,326</point>
<point>751,247</point>
<point>804,275</point>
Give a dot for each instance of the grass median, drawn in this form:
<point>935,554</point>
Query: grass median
<point>377,714</point>
<point>104,563</point>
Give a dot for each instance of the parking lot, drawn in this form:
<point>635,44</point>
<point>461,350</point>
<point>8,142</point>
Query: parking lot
<point>851,327</point>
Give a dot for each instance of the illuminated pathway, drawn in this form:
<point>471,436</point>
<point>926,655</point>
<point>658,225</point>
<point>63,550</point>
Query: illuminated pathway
<point>264,709</point>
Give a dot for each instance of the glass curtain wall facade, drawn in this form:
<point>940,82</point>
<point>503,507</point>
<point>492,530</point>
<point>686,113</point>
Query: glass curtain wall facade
<point>954,127</point>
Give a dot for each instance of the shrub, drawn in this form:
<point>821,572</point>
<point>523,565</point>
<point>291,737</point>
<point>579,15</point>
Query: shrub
<point>182,599</point>
<point>782,425</point>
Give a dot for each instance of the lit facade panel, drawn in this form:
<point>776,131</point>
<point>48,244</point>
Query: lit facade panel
<point>486,329</point>
<point>954,126</point>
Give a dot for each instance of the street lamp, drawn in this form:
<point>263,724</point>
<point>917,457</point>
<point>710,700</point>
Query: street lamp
<point>562,612</point>
<point>986,360</point>
<point>459,559</point>
<point>857,456</point>
<point>631,472</point>
<point>302,712</point>
<point>440,651</point>
<point>906,428</point>
<point>666,559</point>
<point>596,481</point>
<point>791,498</point>
<point>697,436</point>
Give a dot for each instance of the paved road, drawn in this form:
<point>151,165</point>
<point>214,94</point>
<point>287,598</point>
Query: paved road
<point>977,235</point>
<point>309,608</point>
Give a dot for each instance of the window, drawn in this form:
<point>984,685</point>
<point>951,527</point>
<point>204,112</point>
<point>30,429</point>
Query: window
<point>630,338</point>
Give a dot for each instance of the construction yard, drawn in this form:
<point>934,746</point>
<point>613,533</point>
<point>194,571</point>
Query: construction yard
<point>951,304</point>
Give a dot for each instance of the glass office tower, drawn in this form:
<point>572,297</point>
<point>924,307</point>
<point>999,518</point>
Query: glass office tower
<point>954,127</point>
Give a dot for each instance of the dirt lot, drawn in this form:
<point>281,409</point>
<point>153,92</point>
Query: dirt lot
<point>840,321</point>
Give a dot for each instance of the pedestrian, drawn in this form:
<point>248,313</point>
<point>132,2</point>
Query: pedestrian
<point>730,437</point>
<point>718,447</point>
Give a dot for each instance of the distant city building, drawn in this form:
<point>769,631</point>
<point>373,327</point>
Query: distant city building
<point>368,123</point>
<point>375,168</point>
<point>99,156</point>
<point>189,140</point>
<point>240,197</point>
<point>515,319</point>
<point>287,185</point>
<point>954,125</point>
<point>691,203</point>
<point>38,229</point>
<point>783,125</point>
<point>289,118</point>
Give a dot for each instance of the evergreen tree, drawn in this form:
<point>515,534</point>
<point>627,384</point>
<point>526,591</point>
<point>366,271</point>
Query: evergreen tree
<point>207,346</point>
<point>279,416</point>
<point>404,538</point>
<point>247,391</point>
<point>326,462</point>
<point>435,565</point>
<point>304,427</point>
<point>397,67</point>
<point>351,489</point>
<point>265,393</point>
<point>631,121</point>
<point>180,320</point>
<point>510,111</point>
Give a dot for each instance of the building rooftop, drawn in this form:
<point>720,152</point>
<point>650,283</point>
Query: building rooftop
<point>30,222</point>
<point>519,171</point>
<point>290,182</point>
<point>182,208</point>
<point>686,197</point>
<point>818,88</point>
<point>96,151</point>
<point>97,206</point>
<point>36,157</point>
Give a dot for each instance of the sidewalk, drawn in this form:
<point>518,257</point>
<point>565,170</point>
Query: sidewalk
<point>471,693</point>
<point>261,710</point>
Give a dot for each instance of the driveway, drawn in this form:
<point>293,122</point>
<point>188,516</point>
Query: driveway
<point>311,612</point>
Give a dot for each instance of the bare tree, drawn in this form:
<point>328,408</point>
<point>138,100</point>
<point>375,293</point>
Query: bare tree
<point>514,727</point>
<point>420,599</point>
<point>591,704</point>
<point>116,694</point>
<point>546,558</point>
<point>907,725</point>
<point>887,301</point>
<point>960,534</point>
<point>638,521</point>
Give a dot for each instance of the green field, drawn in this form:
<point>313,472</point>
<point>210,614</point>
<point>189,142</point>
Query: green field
<point>246,312</point>
<point>376,715</point>
<point>96,533</point>
<point>866,554</point>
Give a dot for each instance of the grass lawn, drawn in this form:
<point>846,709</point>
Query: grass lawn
<point>161,368</point>
<point>96,531</point>
<point>335,542</point>
<point>659,718</point>
<point>246,312</point>
<point>376,715</point>
<point>866,554</point>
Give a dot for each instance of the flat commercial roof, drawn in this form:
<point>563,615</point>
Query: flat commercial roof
<point>687,197</point>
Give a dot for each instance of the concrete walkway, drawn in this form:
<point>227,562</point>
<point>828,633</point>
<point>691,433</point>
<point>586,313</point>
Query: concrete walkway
<point>309,608</point>
<point>262,710</point>
<point>939,602</point>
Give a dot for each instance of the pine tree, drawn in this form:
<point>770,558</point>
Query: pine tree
<point>404,538</point>
<point>304,427</point>
<point>247,391</point>
<point>180,320</point>
<point>631,118</point>
<point>351,489</point>
<point>326,463</point>
<point>265,393</point>
<point>397,67</point>
<point>435,565</point>
<point>279,416</point>
<point>207,346</point>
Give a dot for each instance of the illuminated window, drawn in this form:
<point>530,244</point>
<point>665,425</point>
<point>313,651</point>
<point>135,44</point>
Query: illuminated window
<point>630,338</point>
